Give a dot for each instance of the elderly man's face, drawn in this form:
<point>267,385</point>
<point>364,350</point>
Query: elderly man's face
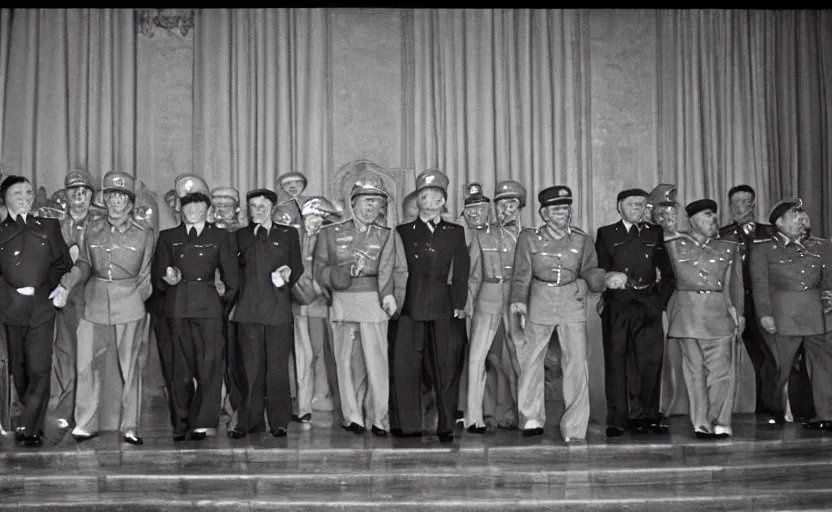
<point>293,186</point>
<point>794,223</point>
<point>742,207</point>
<point>507,209</point>
<point>366,208</point>
<point>557,216</point>
<point>666,218</point>
<point>118,204</point>
<point>705,223</point>
<point>79,197</point>
<point>259,209</point>
<point>19,198</point>
<point>632,208</point>
<point>476,215</point>
<point>225,208</point>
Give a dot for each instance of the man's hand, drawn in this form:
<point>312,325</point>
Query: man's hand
<point>768,324</point>
<point>285,272</point>
<point>59,296</point>
<point>220,286</point>
<point>388,304</point>
<point>519,308</point>
<point>277,279</point>
<point>73,253</point>
<point>459,313</point>
<point>741,326</point>
<point>172,276</point>
<point>826,298</point>
<point>615,280</point>
<point>26,290</point>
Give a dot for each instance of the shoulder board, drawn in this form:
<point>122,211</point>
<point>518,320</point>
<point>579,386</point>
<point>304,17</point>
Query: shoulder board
<point>679,236</point>
<point>762,240</point>
<point>577,230</point>
<point>375,224</point>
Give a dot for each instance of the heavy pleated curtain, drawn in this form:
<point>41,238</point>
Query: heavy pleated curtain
<point>503,94</point>
<point>260,96</point>
<point>67,91</point>
<point>746,97</point>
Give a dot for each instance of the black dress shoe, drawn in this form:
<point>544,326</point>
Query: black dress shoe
<point>531,432</point>
<point>615,431</point>
<point>20,434</point>
<point>354,428</point>
<point>295,417</point>
<point>306,418</point>
<point>198,436</point>
<point>236,433</point>
<point>658,426</point>
<point>279,432</point>
<point>84,437</point>
<point>446,437</point>
<point>639,426</point>
<point>397,432</point>
<point>818,425</point>
<point>32,441</point>
<point>473,429</point>
<point>179,438</point>
<point>380,432</point>
<point>704,435</point>
<point>132,439</point>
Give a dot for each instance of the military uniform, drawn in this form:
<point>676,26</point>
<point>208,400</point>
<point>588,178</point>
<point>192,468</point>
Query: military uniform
<point>195,310</point>
<point>492,337</point>
<point>114,267</point>
<point>32,254</point>
<point>702,316</point>
<point>265,329</point>
<point>632,319</point>
<point>552,277</point>
<point>348,261</point>
<point>317,380</point>
<point>290,204</point>
<point>788,277</point>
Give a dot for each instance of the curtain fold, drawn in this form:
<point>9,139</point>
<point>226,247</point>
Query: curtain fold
<point>744,98</point>
<point>260,96</point>
<point>503,94</point>
<point>68,92</point>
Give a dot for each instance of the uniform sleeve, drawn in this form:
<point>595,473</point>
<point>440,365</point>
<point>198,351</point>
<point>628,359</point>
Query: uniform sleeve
<point>461,268</point>
<point>668,277</point>
<point>392,269</point>
<point>321,268</point>
<point>475,276</point>
<point>604,256</point>
<point>161,261</point>
<point>229,268</point>
<point>521,279</point>
<point>61,260</point>
<point>143,277</point>
<point>295,258</point>
<point>734,278</point>
<point>759,280</point>
<point>82,270</point>
<point>826,270</point>
<point>590,272</point>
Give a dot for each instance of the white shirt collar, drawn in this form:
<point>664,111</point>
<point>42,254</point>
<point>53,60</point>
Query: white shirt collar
<point>266,225</point>
<point>626,224</point>
<point>199,227</point>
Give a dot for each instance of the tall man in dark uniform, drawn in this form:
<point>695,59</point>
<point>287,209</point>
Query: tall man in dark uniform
<point>33,257</point>
<point>744,230</point>
<point>426,338</point>
<point>704,317</point>
<point>270,263</point>
<point>631,251</point>
<point>791,275</point>
<point>184,264</point>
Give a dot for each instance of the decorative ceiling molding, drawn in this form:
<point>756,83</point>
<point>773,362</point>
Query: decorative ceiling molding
<point>169,19</point>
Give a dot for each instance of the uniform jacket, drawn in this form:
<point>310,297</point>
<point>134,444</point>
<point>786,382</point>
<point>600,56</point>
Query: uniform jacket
<point>787,280</point>
<point>378,249</point>
<point>310,299</point>
<point>433,258</point>
<point>708,285</point>
<point>35,256</point>
<point>553,276</point>
<point>735,233</point>
<point>114,266</point>
<point>259,301</point>
<point>492,266</point>
<point>638,258</point>
<point>195,295</point>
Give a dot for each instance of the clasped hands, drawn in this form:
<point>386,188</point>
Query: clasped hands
<point>281,276</point>
<point>58,296</point>
<point>615,280</point>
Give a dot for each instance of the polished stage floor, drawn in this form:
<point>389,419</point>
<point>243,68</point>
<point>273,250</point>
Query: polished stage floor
<point>319,466</point>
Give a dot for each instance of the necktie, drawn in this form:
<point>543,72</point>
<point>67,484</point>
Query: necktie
<point>191,233</point>
<point>632,231</point>
<point>261,232</point>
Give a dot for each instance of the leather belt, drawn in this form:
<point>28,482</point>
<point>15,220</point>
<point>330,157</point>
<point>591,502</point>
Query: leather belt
<point>552,283</point>
<point>199,280</point>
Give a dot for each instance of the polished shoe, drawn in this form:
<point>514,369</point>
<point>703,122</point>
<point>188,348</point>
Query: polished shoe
<point>380,432</point>
<point>198,435</point>
<point>20,434</point>
<point>354,428</point>
<point>658,426</point>
<point>32,441</point>
<point>178,438</point>
<point>818,425</point>
<point>81,435</point>
<point>132,438</point>
<point>722,432</point>
<point>446,437</point>
<point>531,432</point>
<point>295,417</point>
<point>473,429</point>
<point>279,432</point>
<point>639,426</point>
<point>615,431</point>
<point>701,434</point>
<point>236,433</point>
<point>397,432</point>
<point>306,418</point>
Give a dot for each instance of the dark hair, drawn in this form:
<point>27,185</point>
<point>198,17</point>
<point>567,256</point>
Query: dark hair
<point>194,197</point>
<point>741,188</point>
<point>8,183</point>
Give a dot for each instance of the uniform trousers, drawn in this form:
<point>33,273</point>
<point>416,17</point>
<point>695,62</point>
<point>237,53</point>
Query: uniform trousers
<point>707,365</point>
<point>429,350</point>
<point>200,344</point>
<point>130,341</point>
<point>489,331</point>
<point>264,352</point>
<point>531,355</point>
<point>315,368</point>
<point>62,394</point>
<point>171,362</point>
<point>818,353</point>
<point>30,363</point>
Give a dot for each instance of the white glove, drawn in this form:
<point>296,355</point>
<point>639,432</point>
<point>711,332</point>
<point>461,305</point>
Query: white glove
<point>277,279</point>
<point>26,290</point>
<point>519,308</point>
<point>172,276</point>
<point>615,280</point>
<point>285,272</point>
<point>73,253</point>
<point>59,296</point>
<point>388,304</point>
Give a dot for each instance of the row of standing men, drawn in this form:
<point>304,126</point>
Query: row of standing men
<point>256,295</point>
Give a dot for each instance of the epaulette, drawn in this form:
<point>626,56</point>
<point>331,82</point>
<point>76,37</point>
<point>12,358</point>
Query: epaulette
<point>577,230</point>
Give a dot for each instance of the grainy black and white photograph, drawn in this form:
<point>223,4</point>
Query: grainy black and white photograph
<point>415,259</point>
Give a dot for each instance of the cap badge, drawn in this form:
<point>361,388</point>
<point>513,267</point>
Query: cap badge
<point>563,192</point>
<point>189,185</point>
<point>429,178</point>
<point>119,182</point>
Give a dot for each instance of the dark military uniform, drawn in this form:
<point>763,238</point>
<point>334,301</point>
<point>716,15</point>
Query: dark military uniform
<point>265,324</point>
<point>196,313</point>
<point>702,316</point>
<point>632,319</point>
<point>788,277</point>
<point>32,253</point>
